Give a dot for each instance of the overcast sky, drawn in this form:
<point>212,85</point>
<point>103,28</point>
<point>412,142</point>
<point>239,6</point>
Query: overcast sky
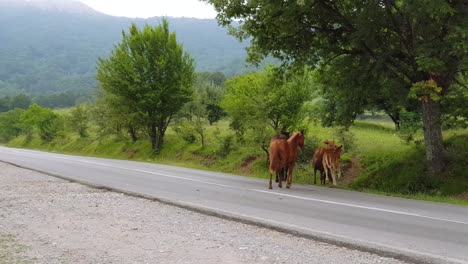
<point>151,8</point>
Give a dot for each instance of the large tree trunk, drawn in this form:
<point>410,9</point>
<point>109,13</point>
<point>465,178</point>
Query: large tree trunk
<point>435,153</point>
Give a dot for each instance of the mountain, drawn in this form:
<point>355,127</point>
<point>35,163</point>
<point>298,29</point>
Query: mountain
<point>66,6</point>
<point>50,46</point>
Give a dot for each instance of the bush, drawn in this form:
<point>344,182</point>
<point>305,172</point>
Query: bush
<point>227,145</point>
<point>346,138</point>
<point>10,125</point>
<point>78,120</point>
<point>47,123</point>
<point>311,143</point>
<point>411,123</point>
<point>50,127</point>
<point>185,131</point>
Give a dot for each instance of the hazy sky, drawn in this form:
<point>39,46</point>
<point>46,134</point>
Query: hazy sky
<point>150,8</point>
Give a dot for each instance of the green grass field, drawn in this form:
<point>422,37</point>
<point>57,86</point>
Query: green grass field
<point>380,161</point>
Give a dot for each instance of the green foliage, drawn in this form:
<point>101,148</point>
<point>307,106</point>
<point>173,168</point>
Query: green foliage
<point>150,81</point>
<point>345,137</point>
<point>10,124</point>
<point>311,143</point>
<point>185,130</point>
<point>423,89</point>
<point>454,107</point>
<point>20,101</point>
<point>410,125</point>
<point>47,123</point>
<point>269,98</point>
<point>78,120</point>
<point>227,145</point>
<point>376,50</point>
<point>404,172</point>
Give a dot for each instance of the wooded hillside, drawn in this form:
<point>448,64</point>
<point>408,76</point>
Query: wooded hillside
<point>50,50</point>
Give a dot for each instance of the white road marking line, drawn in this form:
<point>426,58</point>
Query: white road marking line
<point>238,188</point>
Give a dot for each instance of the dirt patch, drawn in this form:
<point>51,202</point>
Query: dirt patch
<point>131,153</point>
<point>463,196</point>
<point>204,159</point>
<point>246,165</point>
<point>351,171</point>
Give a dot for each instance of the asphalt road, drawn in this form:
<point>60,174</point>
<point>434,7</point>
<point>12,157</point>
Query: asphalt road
<point>417,231</point>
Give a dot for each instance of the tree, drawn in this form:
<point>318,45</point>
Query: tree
<point>4,104</point>
<point>78,120</point>
<point>210,89</point>
<point>409,41</point>
<point>47,123</point>
<point>10,124</point>
<point>266,102</point>
<point>150,74</point>
<point>193,119</point>
<point>114,117</point>
<point>20,101</point>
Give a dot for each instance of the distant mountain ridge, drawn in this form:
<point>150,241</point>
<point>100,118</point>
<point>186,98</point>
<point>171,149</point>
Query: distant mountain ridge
<point>67,6</point>
<point>49,46</point>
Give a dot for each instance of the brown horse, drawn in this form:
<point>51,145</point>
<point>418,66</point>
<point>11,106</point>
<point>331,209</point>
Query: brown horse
<point>317,161</point>
<point>283,135</point>
<point>279,155</point>
<point>331,162</point>
<point>283,153</point>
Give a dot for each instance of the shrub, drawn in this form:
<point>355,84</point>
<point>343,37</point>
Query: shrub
<point>185,131</point>
<point>227,145</point>
<point>411,123</point>
<point>346,138</point>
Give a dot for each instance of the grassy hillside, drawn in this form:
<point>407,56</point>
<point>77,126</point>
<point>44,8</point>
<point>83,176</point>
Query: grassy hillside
<point>380,161</point>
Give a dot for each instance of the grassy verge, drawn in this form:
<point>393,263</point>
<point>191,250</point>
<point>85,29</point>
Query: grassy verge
<point>386,164</point>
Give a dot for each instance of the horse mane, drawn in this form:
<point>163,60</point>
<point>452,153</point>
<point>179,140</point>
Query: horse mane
<point>293,137</point>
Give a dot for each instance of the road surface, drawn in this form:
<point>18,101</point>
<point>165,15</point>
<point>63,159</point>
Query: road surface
<point>418,231</point>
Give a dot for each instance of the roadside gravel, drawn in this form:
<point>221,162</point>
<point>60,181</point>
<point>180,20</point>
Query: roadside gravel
<point>48,220</point>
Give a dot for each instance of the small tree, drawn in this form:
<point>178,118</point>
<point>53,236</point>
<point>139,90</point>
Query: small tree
<point>78,120</point>
<point>266,102</point>
<point>10,124</point>
<point>47,123</point>
<point>150,74</point>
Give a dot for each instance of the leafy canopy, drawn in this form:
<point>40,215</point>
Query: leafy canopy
<point>150,75</point>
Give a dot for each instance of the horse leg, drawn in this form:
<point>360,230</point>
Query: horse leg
<point>333,174</point>
<point>289,179</point>
<point>326,175</point>
<point>271,178</point>
<point>278,177</point>
<point>280,183</point>
<point>322,177</point>
<point>284,174</point>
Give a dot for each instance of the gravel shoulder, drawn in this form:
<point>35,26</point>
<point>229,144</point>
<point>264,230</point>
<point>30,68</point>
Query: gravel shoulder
<point>48,220</point>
